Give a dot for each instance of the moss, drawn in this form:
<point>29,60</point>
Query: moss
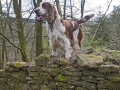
<point>61,78</point>
<point>115,54</point>
<point>2,70</point>
<point>44,56</point>
<point>107,69</point>
<point>54,71</point>
<point>65,61</point>
<point>114,79</point>
<point>90,56</point>
<point>19,64</point>
<point>8,63</point>
<point>108,85</point>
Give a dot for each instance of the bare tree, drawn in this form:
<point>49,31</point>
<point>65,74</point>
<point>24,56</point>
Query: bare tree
<point>38,29</point>
<point>100,23</point>
<point>71,8</point>
<point>64,10</point>
<point>82,7</point>
<point>4,54</point>
<point>58,7</point>
<point>1,61</point>
<point>21,34</point>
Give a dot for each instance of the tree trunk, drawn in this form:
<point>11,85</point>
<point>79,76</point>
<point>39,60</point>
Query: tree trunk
<point>71,9</point>
<point>1,49</point>
<point>10,27</point>
<point>58,7</point>
<point>82,7</point>
<point>38,29</point>
<point>39,44</point>
<point>4,47</point>
<point>64,13</point>
<point>20,27</point>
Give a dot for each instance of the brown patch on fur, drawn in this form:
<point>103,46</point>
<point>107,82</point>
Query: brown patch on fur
<point>68,27</point>
<point>76,26</point>
<point>46,6</point>
<point>50,9</point>
<point>80,36</point>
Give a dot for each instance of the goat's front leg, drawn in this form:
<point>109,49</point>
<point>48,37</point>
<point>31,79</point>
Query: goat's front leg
<point>67,49</point>
<point>53,48</point>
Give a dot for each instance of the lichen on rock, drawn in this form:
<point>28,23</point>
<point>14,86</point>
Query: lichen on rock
<point>19,64</point>
<point>107,69</point>
<point>61,78</point>
<point>89,60</point>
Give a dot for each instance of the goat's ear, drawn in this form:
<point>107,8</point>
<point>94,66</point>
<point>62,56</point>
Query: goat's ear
<point>52,12</point>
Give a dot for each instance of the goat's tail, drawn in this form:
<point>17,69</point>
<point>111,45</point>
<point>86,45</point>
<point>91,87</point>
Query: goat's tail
<point>85,18</point>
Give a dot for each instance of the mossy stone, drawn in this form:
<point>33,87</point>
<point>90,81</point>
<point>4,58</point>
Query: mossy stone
<point>89,79</point>
<point>114,79</point>
<point>108,69</point>
<point>81,88</point>
<point>108,85</point>
<point>33,68</point>
<point>44,87</point>
<point>61,78</point>
<point>2,71</point>
<point>89,60</point>
<point>42,60</point>
<point>94,73</point>
<point>19,64</point>
<point>54,71</point>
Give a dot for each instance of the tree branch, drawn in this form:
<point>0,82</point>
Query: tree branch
<point>11,43</point>
<point>100,23</point>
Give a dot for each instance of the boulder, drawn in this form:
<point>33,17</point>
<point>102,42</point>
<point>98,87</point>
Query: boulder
<point>107,69</point>
<point>89,60</point>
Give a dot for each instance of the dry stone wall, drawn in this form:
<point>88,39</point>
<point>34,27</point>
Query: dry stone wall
<point>89,73</point>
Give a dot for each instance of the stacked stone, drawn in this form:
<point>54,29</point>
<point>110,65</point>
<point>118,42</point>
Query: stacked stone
<point>89,73</point>
<point>14,76</point>
<point>112,77</point>
<point>45,73</point>
<point>2,80</point>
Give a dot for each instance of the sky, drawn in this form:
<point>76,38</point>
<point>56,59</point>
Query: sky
<point>91,6</point>
<point>94,6</point>
<point>101,5</point>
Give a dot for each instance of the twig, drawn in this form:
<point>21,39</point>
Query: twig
<point>100,23</point>
<point>11,43</point>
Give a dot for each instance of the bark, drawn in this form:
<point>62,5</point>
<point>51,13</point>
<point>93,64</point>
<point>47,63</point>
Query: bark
<point>1,49</point>
<point>20,27</point>
<point>38,29</point>
<point>82,7</point>
<point>4,47</point>
<point>58,7</point>
<point>0,7</point>
<point>13,41</point>
<point>71,9</point>
<point>64,13</point>
<point>39,44</point>
<point>10,27</point>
